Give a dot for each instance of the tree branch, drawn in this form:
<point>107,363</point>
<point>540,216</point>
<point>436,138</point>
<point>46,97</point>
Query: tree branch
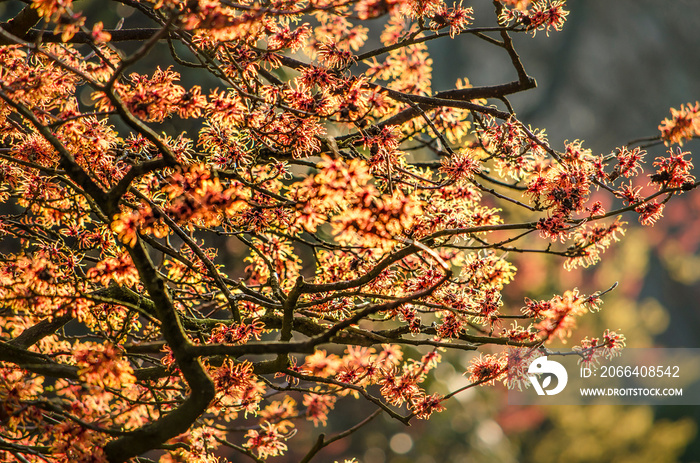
<point>200,384</point>
<point>20,24</point>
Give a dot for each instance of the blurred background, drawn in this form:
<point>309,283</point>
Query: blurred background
<point>608,78</point>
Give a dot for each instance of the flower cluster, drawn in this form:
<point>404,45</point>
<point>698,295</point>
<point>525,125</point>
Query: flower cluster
<point>557,316</point>
<point>684,124</point>
<point>487,369</point>
<point>103,364</point>
<point>456,18</point>
<point>673,171</point>
<point>157,97</point>
<point>593,349</point>
<point>237,387</point>
<point>237,334</point>
<point>542,15</point>
<point>120,269</point>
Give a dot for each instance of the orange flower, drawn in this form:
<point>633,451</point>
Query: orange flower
<point>103,365</point>
<point>98,33</point>
<point>487,369</point>
<point>684,124</point>
<point>560,316</point>
<point>120,269</point>
<point>267,442</point>
<point>318,406</point>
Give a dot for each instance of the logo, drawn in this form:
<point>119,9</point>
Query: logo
<point>542,366</point>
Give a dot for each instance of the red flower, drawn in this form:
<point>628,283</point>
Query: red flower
<point>487,369</point>
<point>650,212</point>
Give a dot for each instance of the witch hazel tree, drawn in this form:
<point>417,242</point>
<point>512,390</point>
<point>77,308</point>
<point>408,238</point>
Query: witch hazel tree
<point>374,211</point>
